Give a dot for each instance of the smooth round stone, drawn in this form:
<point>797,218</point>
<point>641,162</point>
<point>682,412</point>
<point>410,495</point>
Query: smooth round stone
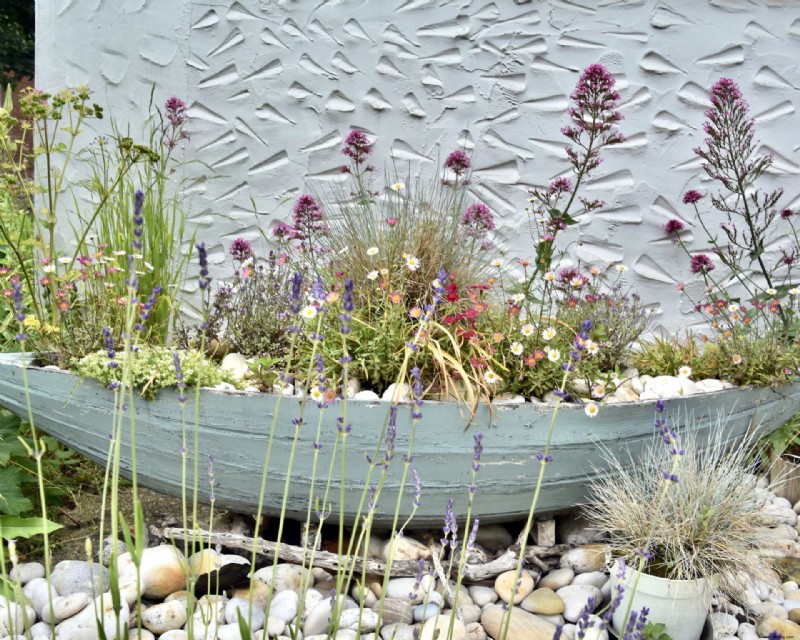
<point>494,537</point>
<point>39,593</point>
<point>164,617</point>
<point>594,578</point>
<point>162,571</point>
<point>20,617</point>
<point>772,610</point>
<point>747,631</point>
<point>65,607</point>
<point>312,599</point>
<point>358,620</point>
<point>596,629</point>
<point>794,615</point>
<point>475,631</point>
<point>557,578</point>
<point>470,613</point>
<point>521,625</point>
<point>397,631</point>
<point>589,557</point>
<point>140,634</point>
<point>26,571</point>
<point>274,626</point>
<point>363,595</point>
<point>543,601</point>
<point>409,588</point>
<point>576,597</point>
<point>395,610</point>
<point>202,631</point>
<point>423,612</point>
<point>231,632</point>
<point>405,548</point>
<point>554,619</point>
<point>284,606</point>
<point>74,576</point>
<point>41,629</point>
<point>204,561</point>
<point>438,628</point>
<point>318,619</point>
<point>287,576</point>
<point>724,624</point>
<point>175,634</point>
<point>258,593</point>
<point>86,620</point>
<point>785,628</point>
<point>107,550</point>
<point>483,595</point>
<point>504,586</point>
<point>254,616</point>
<point>209,611</point>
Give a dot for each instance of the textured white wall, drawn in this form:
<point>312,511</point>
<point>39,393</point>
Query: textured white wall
<point>274,87</point>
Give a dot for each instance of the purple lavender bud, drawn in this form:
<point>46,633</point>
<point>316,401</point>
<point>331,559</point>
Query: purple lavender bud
<point>176,359</point>
<point>211,478</point>
<point>17,297</point>
<point>202,258</point>
<point>296,299</point>
<point>473,534</point>
<point>138,220</point>
<point>477,451</point>
<point>417,487</point>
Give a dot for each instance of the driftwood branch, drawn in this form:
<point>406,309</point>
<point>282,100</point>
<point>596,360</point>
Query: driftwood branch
<point>333,562</point>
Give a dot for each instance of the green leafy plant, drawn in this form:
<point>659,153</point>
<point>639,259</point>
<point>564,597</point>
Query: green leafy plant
<point>655,631</point>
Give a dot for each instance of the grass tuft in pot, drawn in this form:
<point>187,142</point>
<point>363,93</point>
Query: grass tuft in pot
<point>708,522</point>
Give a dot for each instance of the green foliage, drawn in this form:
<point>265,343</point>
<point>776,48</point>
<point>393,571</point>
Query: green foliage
<point>13,527</point>
<point>152,367</point>
<point>17,34</point>
<point>655,631</point>
<point>784,440</point>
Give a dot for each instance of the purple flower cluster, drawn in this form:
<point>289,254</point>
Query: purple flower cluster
<point>458,162</point>
<point>673,226</point>
<point>357,147</point>
<point>691,196</point>
<point>175,111</point>
<point>478,220</point>
<point>417,487</point>
<point>138,220</point>
<point>308,217</point>
<point>559,186</point>
<point>417,392</point>
<point>450,528</point>
<point>347,308</point>
<point>594,118</point>
<point>147,308</point>
<point>241,250</point>
<point>701,263</point>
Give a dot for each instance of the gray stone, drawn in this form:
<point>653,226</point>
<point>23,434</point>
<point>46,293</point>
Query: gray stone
<point>26,571</point>
<point>724,624</point>
<point>84,624</point>
<point>283,606</point>
<point>395,610</point>
<point>483,595</point>
<point>575,598</point>
<point>397,631</point>
<point>164,617</point>
<point>175,634</point>
<point>64,607</point>
<point>557,578</point>
<point>318,619</point>
<point>594,578</point>
<point>254,616</point>
<point>521,626</point>
<point>439,626</point>
<point>287,576</point>
<point>78,576</point>
<point>423,612</point>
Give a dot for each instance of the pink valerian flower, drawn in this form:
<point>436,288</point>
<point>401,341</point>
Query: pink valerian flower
<point>787,213</point>
<point>357,146</point>
<point>673,226</point>
<point>308,217</point>
<point>175,111</point>
<point>691,196</point>
<point>241,250</point>
<point>559,186</point>
<point>392,222</point>
<point>478,220</point>
<point>175,114</point>
<point>458,162</point>
<point>701,263</point>
<point>594,118</point>
<point>283,231</point>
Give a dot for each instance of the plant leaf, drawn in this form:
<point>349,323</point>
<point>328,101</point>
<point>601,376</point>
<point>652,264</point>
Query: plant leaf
<point>14,527</point>
<point>12,501</point>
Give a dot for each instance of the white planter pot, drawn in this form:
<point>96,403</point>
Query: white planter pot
<point>681,605</point>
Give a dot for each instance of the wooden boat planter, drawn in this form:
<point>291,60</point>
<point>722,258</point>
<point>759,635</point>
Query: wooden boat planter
<point>234,429</point>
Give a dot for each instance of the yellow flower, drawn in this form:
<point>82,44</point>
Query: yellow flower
<point>397,186</point>
<point>497,262</point>
<point>621,268</point>
<point>549,276</point>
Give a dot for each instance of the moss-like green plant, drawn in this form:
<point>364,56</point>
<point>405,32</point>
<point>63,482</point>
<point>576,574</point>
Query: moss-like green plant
<point>152,368</point>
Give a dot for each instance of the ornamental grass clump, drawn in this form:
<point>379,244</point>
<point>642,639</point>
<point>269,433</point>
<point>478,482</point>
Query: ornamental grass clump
<point>706,523</point>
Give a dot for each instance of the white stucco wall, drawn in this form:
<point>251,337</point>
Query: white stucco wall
<point>275,86</point>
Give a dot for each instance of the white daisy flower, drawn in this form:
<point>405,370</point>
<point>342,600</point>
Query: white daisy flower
<point>621,268</point>
<point>49,268</point>
<point>412,262</point>
<point>64,260</point>
<point>372,275</point>
<point>397,186</point>
<point>549,276</point>
<point>497,262</point>
<point>598,391</point>
<point>316,394</point>
<point>516,348</point>
<point>591,409</point>
<point>372,251</point>
<point>554,355</point>
<point>591,348</point>
<point>793,292</point>
<point>491,377</point>
<point>309,312</point>
<point>684,372</point>
<point>548,334</point>
<point>771,292</point>
<point>518,297</point>
<point>526,330</point>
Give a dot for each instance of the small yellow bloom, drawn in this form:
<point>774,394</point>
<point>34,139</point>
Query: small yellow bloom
<point>549,276</point>
<point>491,377</point>
<point>397,186</point>
<point>736,359</point>
<point>548,334</point>
<point>685,372</point>
<point>526,330</point>
<point>621,268</point>
<point>309,312</point>
<point>497,263</point>
<point>412,262</point>
<point>591,409</point>
<point>516,348</point>
<point>553,355</point>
